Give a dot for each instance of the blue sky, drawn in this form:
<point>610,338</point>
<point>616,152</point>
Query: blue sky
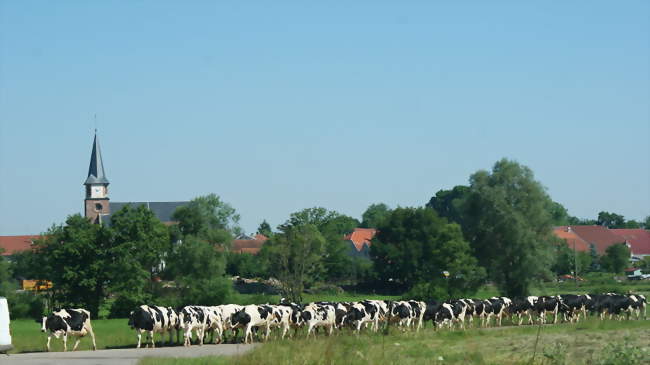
<point>279,106</point>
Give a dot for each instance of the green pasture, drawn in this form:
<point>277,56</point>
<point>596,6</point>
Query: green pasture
<point>590,342</point>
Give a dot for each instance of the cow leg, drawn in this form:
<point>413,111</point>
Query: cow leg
<point>76,343</point>
<point>92,334</point>
<point>65,342</point>
<point>153,343</point>
<point>49,338</point>
<point>139,333</point>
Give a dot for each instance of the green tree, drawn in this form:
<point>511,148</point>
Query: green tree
<point>559,214</point>
<point>337,264</point>
<point>209,218</point>
<point>265,229</point>
<point>564,259</point>
<point>416,246</point>
<point>644,265</point>
<point>198,271</point>
<point>295,255</point>
<point>616,258</point>
<point>74,256</point>
<point>509,226</point>
<point>646,222</point>
<point>140,242</point>
<point>610,220</point>
<point>632,224</point>
<point>374,214</point>
<point>584,262</point>
<point>246,265</point>
<point>7,283</point>
<point>450,204</point>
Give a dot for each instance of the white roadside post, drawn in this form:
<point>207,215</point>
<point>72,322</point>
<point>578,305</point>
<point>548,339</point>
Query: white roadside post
<point>5,336</point>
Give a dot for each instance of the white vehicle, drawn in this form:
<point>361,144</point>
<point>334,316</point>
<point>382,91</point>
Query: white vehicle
<point>5,336</point>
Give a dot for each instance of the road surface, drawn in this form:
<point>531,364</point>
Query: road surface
<point>120,356</point>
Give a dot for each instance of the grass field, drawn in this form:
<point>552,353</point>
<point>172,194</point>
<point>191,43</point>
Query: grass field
<point>590,342</point>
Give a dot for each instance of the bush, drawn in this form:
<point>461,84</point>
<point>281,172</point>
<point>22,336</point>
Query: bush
<point>622,353</point>
<point>26,305</point>
<point>428,292</point>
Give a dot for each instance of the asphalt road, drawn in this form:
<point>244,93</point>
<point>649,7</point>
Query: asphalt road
<point>120,356</point>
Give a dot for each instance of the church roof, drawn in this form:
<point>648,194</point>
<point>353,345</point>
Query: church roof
<point>162,210</point>
<point>96,173</point>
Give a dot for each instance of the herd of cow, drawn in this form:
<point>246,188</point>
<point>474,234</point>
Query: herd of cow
<point>259,320</point>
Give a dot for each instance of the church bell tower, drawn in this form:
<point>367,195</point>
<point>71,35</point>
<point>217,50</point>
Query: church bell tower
<point>96,202</point>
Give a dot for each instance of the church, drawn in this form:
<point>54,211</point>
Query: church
<point>97,205</point>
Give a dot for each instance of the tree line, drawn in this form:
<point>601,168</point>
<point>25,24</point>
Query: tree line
<point>498,228</point>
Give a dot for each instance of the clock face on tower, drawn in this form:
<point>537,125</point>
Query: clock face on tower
<point>97,192</point>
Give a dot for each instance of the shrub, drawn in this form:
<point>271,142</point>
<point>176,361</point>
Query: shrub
<point>26,305</point>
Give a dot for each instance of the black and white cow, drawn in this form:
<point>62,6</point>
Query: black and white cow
<point>430,312</point>
<point>281,318</point>
<point>153,319</point>
<point>73,322</point>
<point>227,310</point>
<point>445,315</point>
<point>639,306</point>
<point>295,318</point>
<point>199,319</point>
<point>401,313</point>
<point>362,313</point>
<point>459,308</point>
<point>214,323</point>
<point>319,315</point>
<point>549,305</point>
<point>252,316</point>
<point>574,305</point>
<point>499,308</point>
<point>483,310</point>
<point>522,307</point>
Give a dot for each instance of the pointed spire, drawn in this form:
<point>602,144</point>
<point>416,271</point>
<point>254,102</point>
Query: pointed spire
<point>96,169</point>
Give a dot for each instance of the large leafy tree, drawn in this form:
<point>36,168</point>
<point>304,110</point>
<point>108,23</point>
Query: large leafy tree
<point>265,229</point>
<point>332,225</point>
<point>611,220</point>
<point>616,258</point>
<point>450,203</point>
<point>197,260</point>
<point>296,257</point>
<point>140,242</point>
<point>74,257</point>
<point>509,226</point>
<point>374,215</point>
<point>416,246</point>
<point>198,271</point>
<point>210,218</point>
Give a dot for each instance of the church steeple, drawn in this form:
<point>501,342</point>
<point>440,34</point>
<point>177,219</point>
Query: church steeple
<point>96,203</point>
<point>96,169</point>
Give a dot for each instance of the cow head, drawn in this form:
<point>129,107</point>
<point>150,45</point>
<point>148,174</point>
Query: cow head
<point>239,318</point>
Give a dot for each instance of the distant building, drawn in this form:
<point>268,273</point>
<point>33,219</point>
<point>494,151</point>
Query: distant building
<point>97,205</point>
<point>247,244</point>
<point>11,245</point>
<point>359,242</point>
<point>584,238</point>
<point>637,239</point>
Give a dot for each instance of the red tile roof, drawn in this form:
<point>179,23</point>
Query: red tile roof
<point>15,244</point>
<point>599,236</point>
<point>248,246</point>
<point>639,239</point>
<point>572,239</point>
<point>360,237</point>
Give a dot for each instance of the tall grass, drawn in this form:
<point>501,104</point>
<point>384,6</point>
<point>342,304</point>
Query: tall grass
<point>565,343</point>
